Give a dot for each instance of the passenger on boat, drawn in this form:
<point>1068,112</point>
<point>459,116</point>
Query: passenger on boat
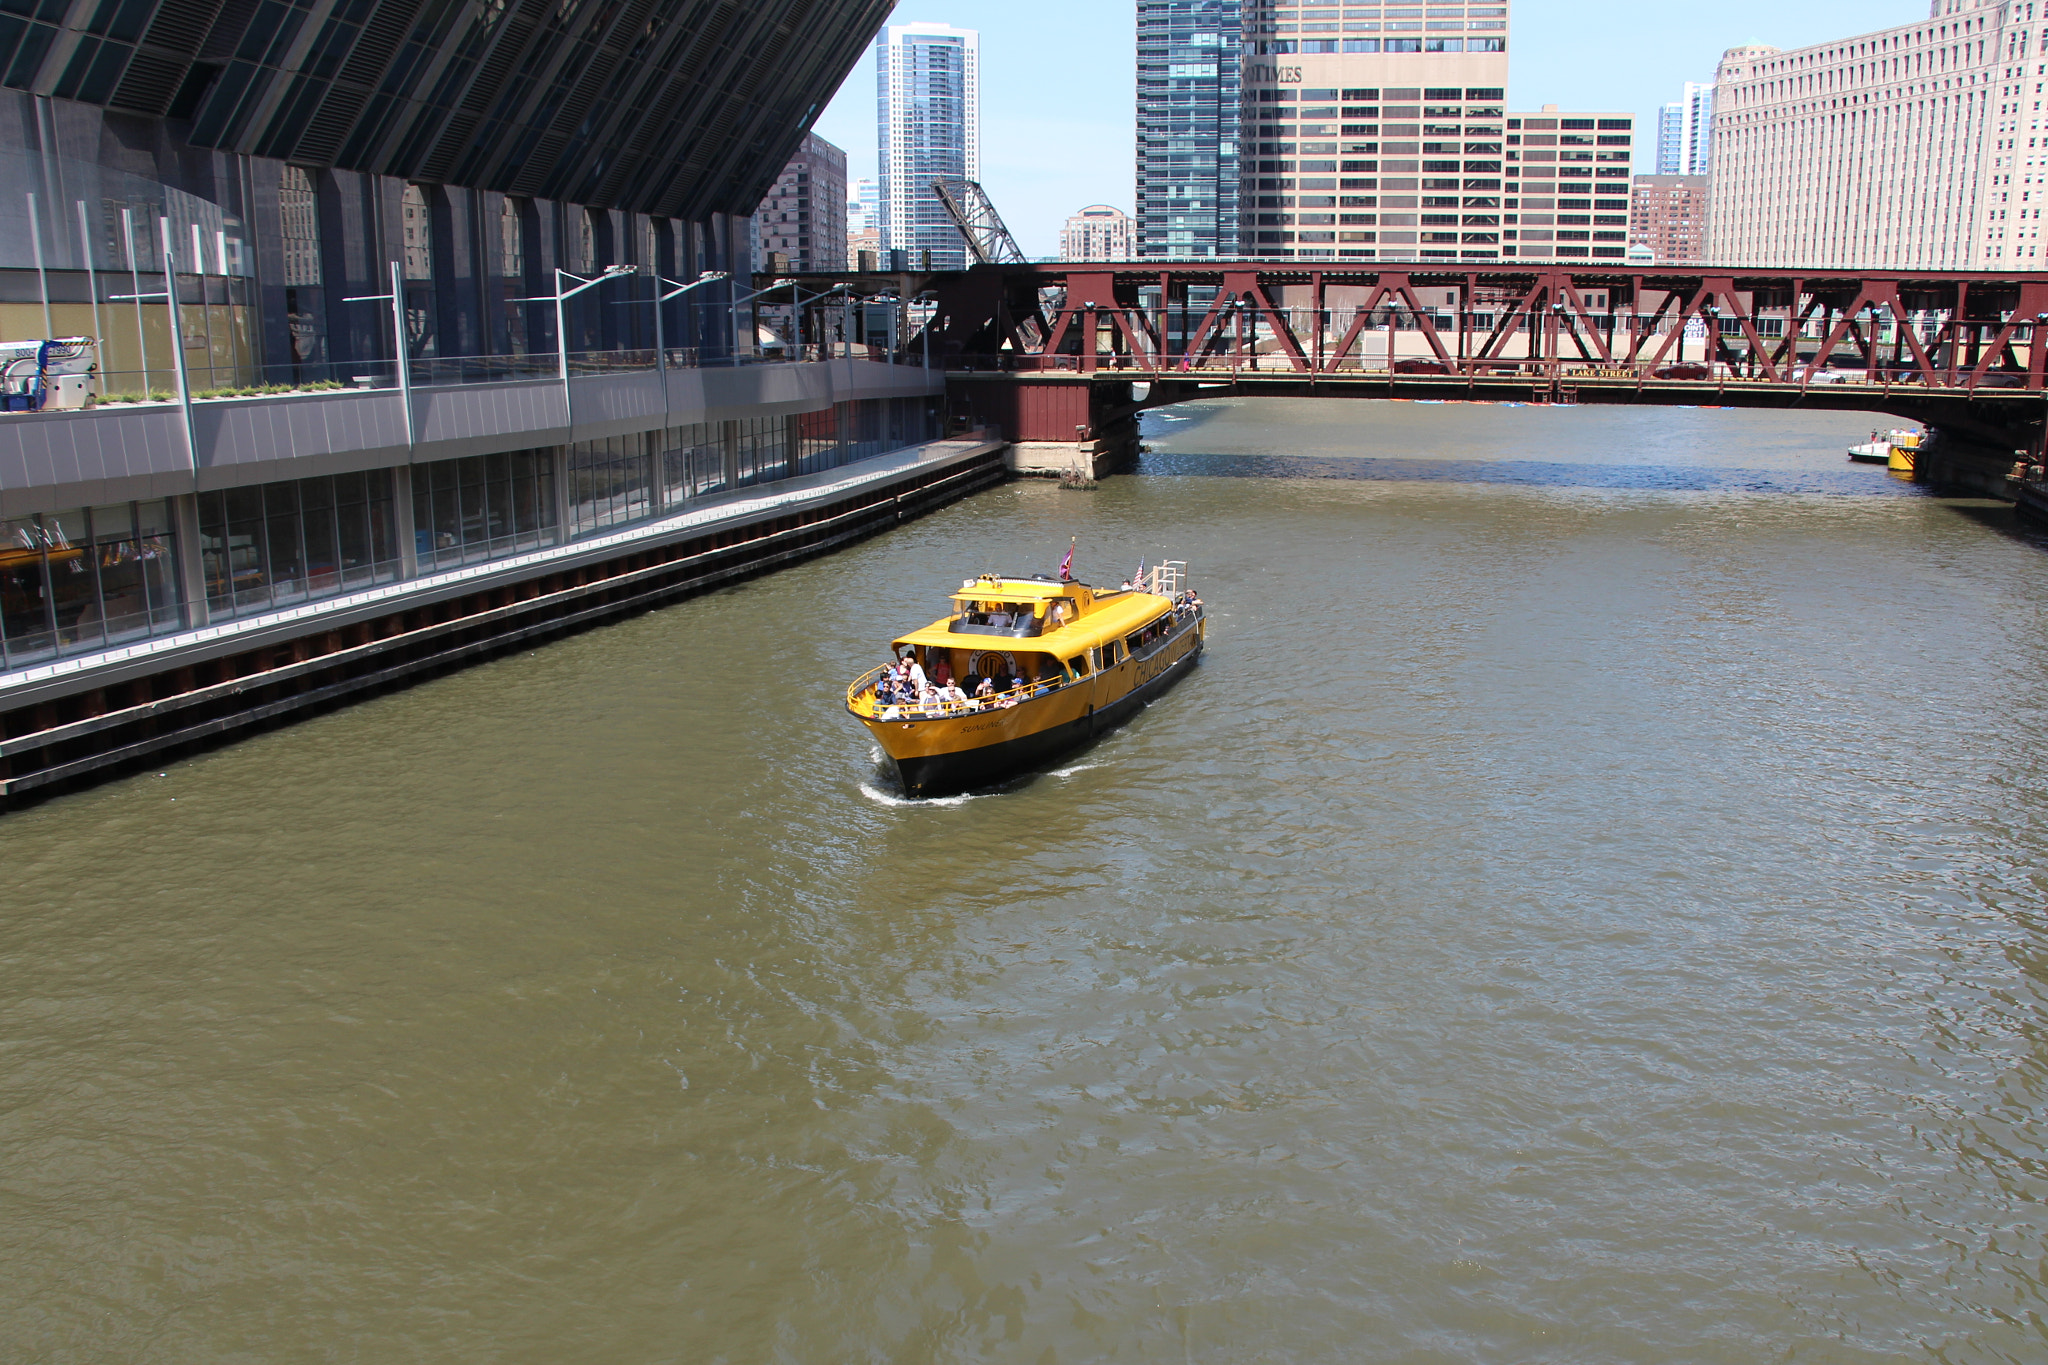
<point>983,691</point>
<point>951,699</point>
<point>942,672</point>
<point>909,674</point>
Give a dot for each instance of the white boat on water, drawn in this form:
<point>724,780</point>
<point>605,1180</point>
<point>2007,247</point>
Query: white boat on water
<point>1884,447</point>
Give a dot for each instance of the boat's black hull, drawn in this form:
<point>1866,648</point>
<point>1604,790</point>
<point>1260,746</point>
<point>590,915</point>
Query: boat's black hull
<point>949,774</point>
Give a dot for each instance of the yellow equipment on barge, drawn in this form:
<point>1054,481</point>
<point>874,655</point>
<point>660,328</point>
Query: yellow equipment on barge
<point>1064,662</point>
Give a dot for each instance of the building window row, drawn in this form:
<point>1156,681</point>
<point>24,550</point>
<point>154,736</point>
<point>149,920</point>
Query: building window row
<point>81,580</point>
<point>76,581</point>
<point>279,544</point>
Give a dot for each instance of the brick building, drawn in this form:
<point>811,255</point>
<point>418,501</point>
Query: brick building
<point>1668,214</point>
<point>804,216</point>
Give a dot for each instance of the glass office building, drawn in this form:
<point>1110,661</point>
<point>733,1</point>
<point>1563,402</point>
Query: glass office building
<point>1189,106</point>
<point>272,168</point>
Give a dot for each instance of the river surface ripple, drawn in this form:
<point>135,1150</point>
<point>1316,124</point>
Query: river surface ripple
<point>1587,906</point>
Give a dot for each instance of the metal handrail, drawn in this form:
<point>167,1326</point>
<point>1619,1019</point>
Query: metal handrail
<point>863,689</point>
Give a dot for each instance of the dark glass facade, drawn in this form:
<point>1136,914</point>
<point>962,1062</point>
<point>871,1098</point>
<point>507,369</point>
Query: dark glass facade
<point>674,108</point>
<point>1189,109</point>
<point>86,578</point>
<point>482,507</point>
<point>298,540</point>
<point>278,164</point>
<point>287,151</point>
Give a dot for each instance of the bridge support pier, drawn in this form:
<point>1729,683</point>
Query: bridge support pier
<point>1957,465</point>
<point>1106,451</point>
<point>1054,425</point>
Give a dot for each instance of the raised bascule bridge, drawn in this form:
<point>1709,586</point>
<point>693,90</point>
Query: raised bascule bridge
<point>1062,357</point>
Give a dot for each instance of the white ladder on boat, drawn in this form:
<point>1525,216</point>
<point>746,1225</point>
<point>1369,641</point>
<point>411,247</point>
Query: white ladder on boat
<point>1166,579</point>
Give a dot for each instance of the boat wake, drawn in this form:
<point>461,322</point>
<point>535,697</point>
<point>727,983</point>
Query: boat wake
<point>888,798</point>
<point>1077,768</point>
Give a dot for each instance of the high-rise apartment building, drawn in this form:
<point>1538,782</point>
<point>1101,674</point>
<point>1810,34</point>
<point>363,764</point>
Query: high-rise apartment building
<point>1668,215</point>
<point>1374,131</point>
<point>1097,233</point>
<point>1916,147</point>
<point>804,216</point>
<point>1190,54</point>
<point>1685,133</point>
<point>928,79</point>
<point>1567,184</point>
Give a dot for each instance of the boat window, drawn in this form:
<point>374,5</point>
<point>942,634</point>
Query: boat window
<point>1152,634</point>
<point>981,616</point>
<point>1079,666</point>
<point>1112,653</point>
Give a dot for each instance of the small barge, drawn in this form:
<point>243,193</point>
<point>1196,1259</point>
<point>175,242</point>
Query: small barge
<point>1023,670</point>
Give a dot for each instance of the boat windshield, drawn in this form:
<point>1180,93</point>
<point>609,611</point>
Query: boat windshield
<point>991,616</point>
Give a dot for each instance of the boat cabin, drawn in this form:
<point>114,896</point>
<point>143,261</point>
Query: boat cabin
<point>1073,632</point>
<point>1017,608</point>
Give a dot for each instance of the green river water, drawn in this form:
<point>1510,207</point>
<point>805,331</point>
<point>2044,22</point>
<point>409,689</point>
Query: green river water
<point>1587,906</point>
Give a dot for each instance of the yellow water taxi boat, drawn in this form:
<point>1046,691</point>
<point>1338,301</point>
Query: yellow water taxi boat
<point>1063,662</point>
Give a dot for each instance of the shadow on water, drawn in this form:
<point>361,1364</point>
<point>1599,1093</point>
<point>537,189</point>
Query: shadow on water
<point>2002,518</point>
<point>1527,474</point>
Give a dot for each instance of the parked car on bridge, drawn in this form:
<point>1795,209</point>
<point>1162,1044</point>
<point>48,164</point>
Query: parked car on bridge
<point>1685,369</point>
<point>1817,374</point>
<point>1421,366</point>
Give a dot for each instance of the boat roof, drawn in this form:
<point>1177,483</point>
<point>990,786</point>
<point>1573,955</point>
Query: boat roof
<point>1105,617</point>
<point>1038,585</point>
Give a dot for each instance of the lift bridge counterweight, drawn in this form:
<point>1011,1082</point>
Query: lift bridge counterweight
<point>989,243</point>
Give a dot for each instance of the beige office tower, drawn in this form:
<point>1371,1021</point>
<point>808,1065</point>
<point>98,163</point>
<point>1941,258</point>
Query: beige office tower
<point>1914,148</point>
<point>1567,185</point>
<point>1374,130</point>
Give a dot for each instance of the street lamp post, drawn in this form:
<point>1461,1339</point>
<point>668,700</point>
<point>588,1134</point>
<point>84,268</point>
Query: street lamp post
<point>397,300</point>
<point>170,297</point>
<point>560,297</point>
<point>660,338</point>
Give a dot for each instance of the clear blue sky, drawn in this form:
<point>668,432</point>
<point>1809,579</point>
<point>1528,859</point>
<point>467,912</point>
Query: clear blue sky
<point>1058,80</point>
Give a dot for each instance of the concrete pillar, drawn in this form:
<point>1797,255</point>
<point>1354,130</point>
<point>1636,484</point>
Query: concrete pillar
<point>404,524</point>
<point>562,527</point>
<point>191,566</point>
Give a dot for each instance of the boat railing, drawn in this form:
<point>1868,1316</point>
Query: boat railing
<point>863,690</point>
<point>1165,580</point>
<point>865,683</point>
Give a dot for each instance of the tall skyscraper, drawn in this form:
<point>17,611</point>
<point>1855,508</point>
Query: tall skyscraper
<point>1911,148</point>
<point>1685,133</point>
<point>1351,112</point>
<point>1189,62</point>
<point>928,79</point>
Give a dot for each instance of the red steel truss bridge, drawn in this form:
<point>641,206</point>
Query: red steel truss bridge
<point>1060,352</point>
